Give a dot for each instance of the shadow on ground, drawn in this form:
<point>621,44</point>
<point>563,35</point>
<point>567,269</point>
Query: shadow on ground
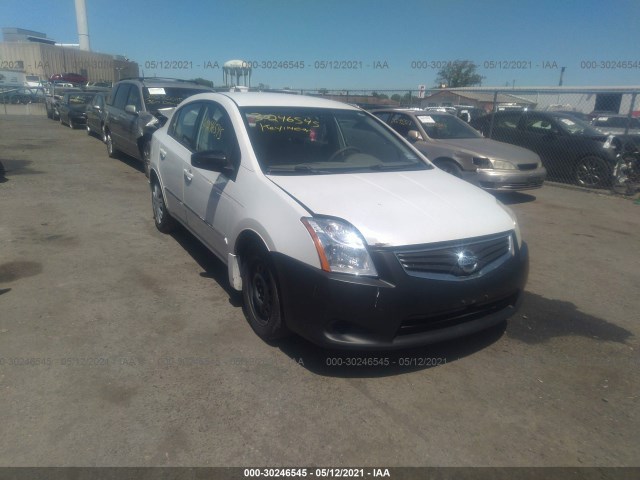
<point>538,320</point>
<point>514,198</point>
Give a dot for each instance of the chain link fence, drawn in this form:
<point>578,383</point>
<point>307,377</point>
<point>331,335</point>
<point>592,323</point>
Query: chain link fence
<point>579,134</point>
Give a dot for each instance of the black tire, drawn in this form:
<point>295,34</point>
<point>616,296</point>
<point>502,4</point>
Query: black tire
<point>592,172</point>
<point>71,125</point>
<point>89,131</point>
<point>111,150</point>
<point>60,120</point>
<point>261,296</point>
<point>104,134</point>
<point>161,216</point>
<point>145,153</point>
<point>449,167</point>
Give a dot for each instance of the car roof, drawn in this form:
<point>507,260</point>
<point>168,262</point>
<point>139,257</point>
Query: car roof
<point>263,99</point>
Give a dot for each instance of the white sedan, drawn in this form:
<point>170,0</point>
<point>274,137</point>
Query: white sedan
<point>332,225</point>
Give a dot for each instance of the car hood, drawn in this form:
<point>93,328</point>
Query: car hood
<point>401,208</point>
<point>485,147</point>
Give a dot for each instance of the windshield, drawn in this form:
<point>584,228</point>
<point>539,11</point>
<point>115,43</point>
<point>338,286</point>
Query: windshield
<point>80,99</point>
<point>575,126</point>
<point>445,126</point>
<point>304,141</point>
<point>166,97</point>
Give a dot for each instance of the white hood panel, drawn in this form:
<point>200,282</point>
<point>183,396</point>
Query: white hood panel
<point>401,208</point>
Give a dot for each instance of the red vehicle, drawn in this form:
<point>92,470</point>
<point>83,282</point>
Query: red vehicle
<point>68,77</point>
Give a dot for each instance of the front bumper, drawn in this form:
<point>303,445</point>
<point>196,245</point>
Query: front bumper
<point>78,118</point>
<point>510,180</point>
<point>396,310</point>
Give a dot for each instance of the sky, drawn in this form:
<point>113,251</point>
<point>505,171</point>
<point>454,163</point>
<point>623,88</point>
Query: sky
<point>357,44</point>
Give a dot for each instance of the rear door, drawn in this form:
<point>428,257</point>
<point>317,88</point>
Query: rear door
<point>174,156</point>
<point>117,118</point>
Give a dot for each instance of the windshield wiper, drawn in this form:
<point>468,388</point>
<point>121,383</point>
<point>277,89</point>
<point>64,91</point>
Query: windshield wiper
<point>405,166</point>
<point>298,169</point>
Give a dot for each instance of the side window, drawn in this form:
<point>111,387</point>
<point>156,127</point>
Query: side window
<point>402,124</point>
<point>183,125</point>
<point>509,120</point>
<point>384,116</point>
<point>120,97</point>
<point>539,124</point>
<point>216,133</point>
<point>134,98</point>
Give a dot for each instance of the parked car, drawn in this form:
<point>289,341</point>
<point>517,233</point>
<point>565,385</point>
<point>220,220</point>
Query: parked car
<point>331,225</point>
<point>72,109</point>
<point>570,149</point>
<point>22,95</point>
<point>137,107</point>
<point>95,115</point>
<point>74,78</point>
<point>458,149</point>
<point>617,124</point>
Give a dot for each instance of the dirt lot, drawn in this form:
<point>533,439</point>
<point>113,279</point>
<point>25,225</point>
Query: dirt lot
<point>123,346</point>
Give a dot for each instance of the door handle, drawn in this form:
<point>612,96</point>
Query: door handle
<point>188,175</point>
<point>163,153</point>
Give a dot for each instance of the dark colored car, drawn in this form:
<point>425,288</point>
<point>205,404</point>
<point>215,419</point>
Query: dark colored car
<point>68,77</point>
<point>570,149</point>
<point>72,109</point>
<point>137,108</point>
<point>95,115</point>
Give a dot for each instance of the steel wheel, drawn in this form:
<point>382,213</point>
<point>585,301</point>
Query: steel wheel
<point>111,151</point>
<point>262,297</point>
<point>162,218</point>
<point>592,172</point>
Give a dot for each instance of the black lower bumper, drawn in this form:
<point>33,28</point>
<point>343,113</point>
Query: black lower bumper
<point>396,310</point>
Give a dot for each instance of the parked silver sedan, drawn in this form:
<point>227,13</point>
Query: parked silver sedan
<point>458,149</point>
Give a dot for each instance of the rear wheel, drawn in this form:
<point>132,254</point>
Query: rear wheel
<point>161,216</point>
<point>89,132</point>
<point>261,296</point>
<point>592,172</point>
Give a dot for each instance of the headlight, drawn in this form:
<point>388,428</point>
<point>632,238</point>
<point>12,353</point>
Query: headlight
<point>340,246</point>
<point>502,165</point>
<point>516,227</point>
<point>482,162</point>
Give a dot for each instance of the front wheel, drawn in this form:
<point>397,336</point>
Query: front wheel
<point>161,216</point>
<point>111,150</point>
<point>592,172</point>
<point>146,157</point>
<point>261,297</point>
<point>449,167</point>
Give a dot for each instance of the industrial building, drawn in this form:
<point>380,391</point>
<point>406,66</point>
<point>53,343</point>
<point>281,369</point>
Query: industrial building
<point>35,54</point>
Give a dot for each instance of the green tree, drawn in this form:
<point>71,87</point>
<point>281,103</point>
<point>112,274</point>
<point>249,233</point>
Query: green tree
<point>461,73</point>
<point>396,97</point>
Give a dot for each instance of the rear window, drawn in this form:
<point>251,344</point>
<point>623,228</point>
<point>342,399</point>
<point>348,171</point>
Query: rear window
<point>165,97</point>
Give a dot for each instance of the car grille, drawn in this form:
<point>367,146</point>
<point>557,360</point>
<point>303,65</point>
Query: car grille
<point>527,166</point>
<point>444,259</point>
<point>529,184</point>
<point>428,323</point>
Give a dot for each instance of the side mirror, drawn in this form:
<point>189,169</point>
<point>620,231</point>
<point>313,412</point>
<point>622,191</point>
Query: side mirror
<point>131,109</point>
<point>212,160</point>
<point>414,135</point>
